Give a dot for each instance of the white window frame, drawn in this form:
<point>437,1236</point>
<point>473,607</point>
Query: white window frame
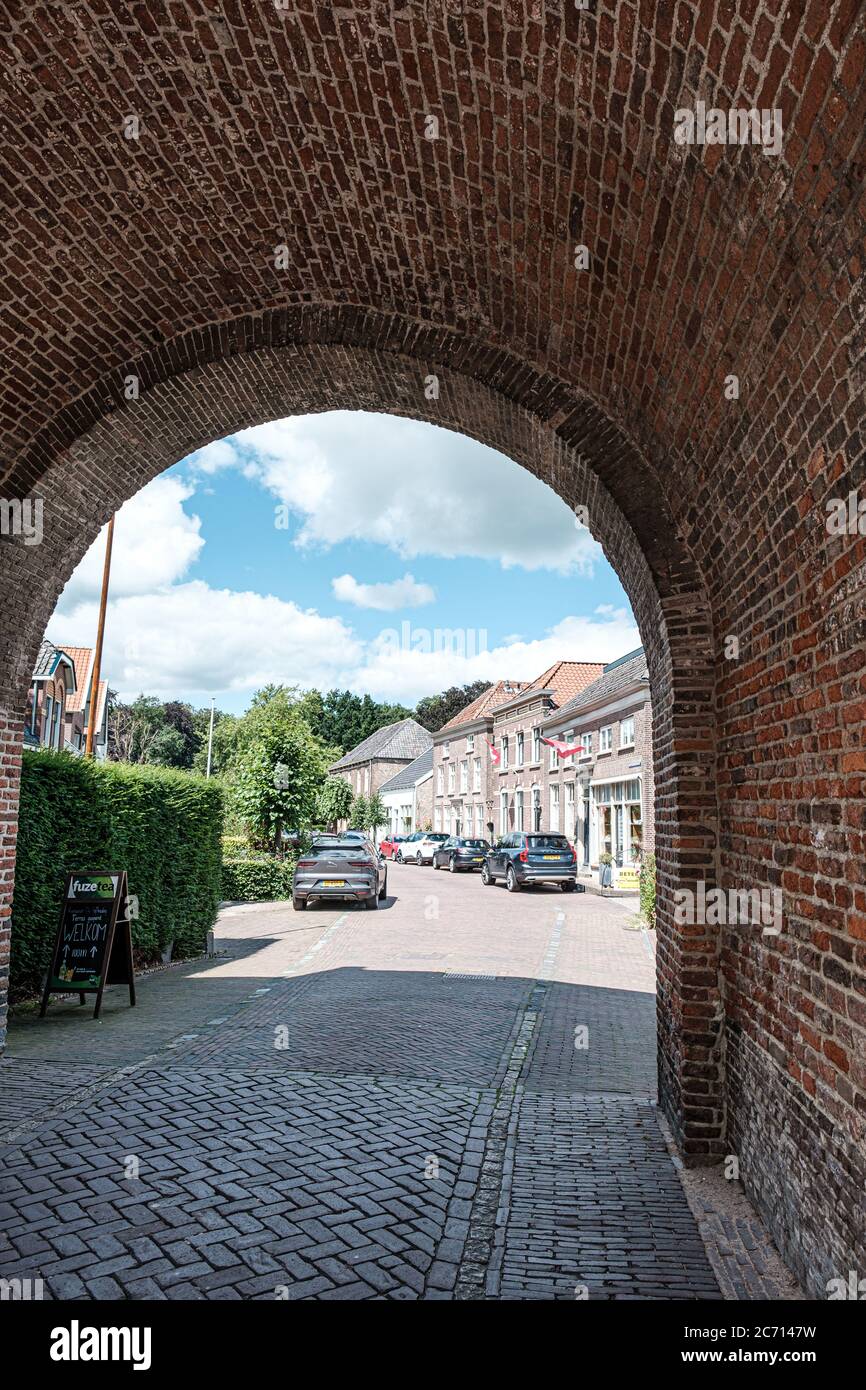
<point>623,723</point>
<point>476,775</point>
<point>518,809</point>
<point>536,745</point>
<point>605,745</point>
<point>586,740</point>
<point>451,778</point>
<point>518,748</point>
<point>555,802</point>
<point>503,813</point>
<point>554,759</point>
<point>464,775</point>
<point>504,746</point>
<point>440,781</point>
<point>446,749</point>
<point>470,743</point>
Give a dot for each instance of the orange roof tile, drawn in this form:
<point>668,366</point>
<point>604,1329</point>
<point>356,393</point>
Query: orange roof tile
<point>494,695</point>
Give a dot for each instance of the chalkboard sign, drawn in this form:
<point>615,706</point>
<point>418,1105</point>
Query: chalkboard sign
<point>94,940</point>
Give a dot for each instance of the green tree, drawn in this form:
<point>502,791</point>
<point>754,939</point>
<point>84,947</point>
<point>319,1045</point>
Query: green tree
<point>359,815</point>
<point>376,813</point>
<point>334,801</point>
<point>435,710</point>
<point>278,780</point>
<point>168,749</point>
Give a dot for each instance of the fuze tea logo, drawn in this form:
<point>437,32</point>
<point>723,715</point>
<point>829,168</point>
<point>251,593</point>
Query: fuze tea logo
<point>91,888</point>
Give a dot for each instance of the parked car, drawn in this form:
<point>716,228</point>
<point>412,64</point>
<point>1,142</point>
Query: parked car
<point>406,848</point>
<point>523,858</point>
<point>343,868</point>
<point>459,853</point>
<point>420,850</point>
<point>388,846</point>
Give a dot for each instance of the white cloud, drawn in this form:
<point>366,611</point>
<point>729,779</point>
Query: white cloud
<point>194,639</point>
<point>155,542</point>
<point>404,665</point>
<point>385,597</point>
<point>416,488</point>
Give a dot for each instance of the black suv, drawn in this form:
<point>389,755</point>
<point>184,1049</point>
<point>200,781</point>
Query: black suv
<point>523,857</point>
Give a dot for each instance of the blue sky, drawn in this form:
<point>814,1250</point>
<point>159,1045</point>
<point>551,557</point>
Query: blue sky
<point>329,550</point>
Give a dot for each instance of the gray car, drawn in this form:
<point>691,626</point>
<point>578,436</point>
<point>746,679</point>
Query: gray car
<point>339,868</point>
<point>523,858</point>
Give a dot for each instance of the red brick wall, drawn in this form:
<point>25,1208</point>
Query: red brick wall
<point>455,256</point>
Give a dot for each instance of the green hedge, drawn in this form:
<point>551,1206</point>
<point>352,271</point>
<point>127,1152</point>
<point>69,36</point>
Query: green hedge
<point>257,878</point>
<point>162,826</point>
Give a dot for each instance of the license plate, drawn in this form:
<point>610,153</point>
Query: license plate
<point>333,883</point>
<point>551,856</point>
<point>477,858</point>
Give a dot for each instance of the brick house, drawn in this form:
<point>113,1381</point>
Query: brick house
<point>408,797</point>
<point>463,770</point>
<point>378,758</point>
<point>58,701</point>
<point>520,785</point>
<point>603,798</point>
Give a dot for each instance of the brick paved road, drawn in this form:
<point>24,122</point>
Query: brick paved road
<point>354,1105</point>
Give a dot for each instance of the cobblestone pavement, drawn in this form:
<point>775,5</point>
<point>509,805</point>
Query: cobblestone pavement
<point>349,1105</point>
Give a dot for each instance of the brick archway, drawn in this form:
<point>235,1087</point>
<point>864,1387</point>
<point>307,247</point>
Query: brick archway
<point>707,365</point>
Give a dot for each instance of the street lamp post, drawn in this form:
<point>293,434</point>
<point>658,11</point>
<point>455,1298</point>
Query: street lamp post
<point>210,735</point>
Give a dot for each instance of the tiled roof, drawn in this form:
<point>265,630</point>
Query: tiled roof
<point>408,776</point>
<point>486,702</point>
<point>81,657</point>
<point>627,670</point>
<point>405,739</point>
<point>566,679</point>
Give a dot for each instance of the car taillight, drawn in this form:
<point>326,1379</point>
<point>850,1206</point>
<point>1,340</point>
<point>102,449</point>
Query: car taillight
<point>360,864</point>
<point>306,863</point>
<point>523,856</point>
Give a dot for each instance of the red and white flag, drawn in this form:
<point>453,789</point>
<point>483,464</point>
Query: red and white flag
<point>565,750</point>
<point>495,754</point>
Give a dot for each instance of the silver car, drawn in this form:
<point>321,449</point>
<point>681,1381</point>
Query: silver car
<point>340,869</point>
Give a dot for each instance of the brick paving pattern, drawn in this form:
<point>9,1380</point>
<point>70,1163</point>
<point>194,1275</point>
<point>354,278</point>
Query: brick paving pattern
<point>349,1106</point>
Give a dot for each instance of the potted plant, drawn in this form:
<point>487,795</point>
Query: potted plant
<point>605,869</point>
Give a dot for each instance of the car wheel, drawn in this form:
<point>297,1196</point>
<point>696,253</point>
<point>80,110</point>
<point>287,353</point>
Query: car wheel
<point>418,860</point>
<point>435,862</point>
<point>568,886</point>
<point>399,857</point>
<point>486,876</point>
<point>511,880</point>
<point>383,891</point>
<point>452,865</point>
<point>371,904</point>
<point>299,904</point>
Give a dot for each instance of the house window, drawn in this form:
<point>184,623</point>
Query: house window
<point>437,818</point>
<point>450,777</point>
<point>536,808</point>
<point>440,782</point>
<point>57,737</point>
<point>46,724</point>
<point>464,776</point>
<point>605,739</point>
<point>504,751</point>
<point>519,810</point>
<point>554,759</point>
<point>503,813</point>
<point>446,748</point>
<point>626,733</point>
<point>476,775</point>
<point>536,745</point>
<point>518,756</point>
<point>586,740</point>
<point>569,739</point>
<point>554,808</point>
<point>570,815</point>
<point>479,818</point>
<point>470,743</point>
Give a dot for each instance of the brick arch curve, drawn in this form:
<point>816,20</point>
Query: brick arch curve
<point>561,436</point>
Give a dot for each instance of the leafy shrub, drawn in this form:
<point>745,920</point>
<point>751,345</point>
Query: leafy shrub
<point>236,846</point>
<point>257,878</point>
<point>161,825</point>
<point>648,889</point>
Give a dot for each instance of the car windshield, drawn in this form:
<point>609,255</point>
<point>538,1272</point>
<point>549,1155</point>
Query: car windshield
<point>547,842</point>
<point>436,837</point>
<point>476,844</point>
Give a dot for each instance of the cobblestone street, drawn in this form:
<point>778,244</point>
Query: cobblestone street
<point>348,1105</point>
